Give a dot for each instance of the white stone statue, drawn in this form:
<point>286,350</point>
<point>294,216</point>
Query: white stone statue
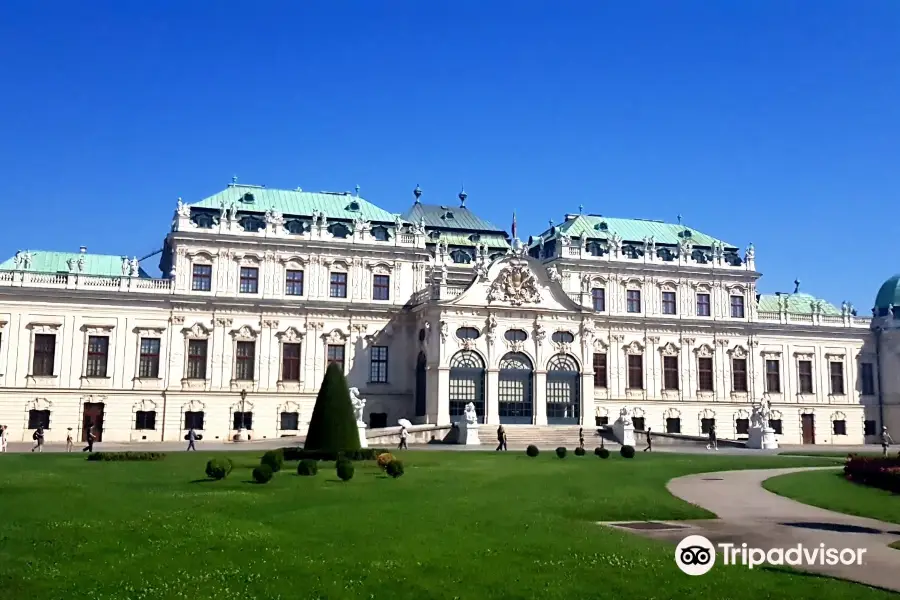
<point>623,428</point>
<point>135,267</point>
<point>26,260</point>
<point>750,253</point>
<point>126,266</point>
<point>358,404</point>
<point>72,264</point>
<point>554,274</point>
<point>183,209</point>
<point>81,262</point>
<point>761,436</point>
<point>470,415</point>
<point>491,322</point>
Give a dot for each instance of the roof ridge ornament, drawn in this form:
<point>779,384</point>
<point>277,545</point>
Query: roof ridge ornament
<point>462,197</point>
<point>417,193</point>
<point>796,286</point>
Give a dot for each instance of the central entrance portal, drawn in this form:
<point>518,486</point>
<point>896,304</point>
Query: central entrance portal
<point>516,397</point>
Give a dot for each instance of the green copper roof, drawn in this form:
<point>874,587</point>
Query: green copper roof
<point>453,238</point>
<point>889,293</point>
<point>43,261</point>
<point>449,217</point>
<point>335,205</point>
<point>630,230</point>
<point>798,304</point>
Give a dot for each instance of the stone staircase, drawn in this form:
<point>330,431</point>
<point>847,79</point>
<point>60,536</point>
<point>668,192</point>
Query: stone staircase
<point>544,437</point>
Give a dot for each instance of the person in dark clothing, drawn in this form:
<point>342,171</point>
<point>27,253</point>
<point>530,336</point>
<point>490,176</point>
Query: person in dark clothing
<point>581,437</point>
<point>192,437</point>
<point>90,439</point>
<point>713,443</point>
<point>649,447</point>
<point>501,438</point>
<point>886,441</point>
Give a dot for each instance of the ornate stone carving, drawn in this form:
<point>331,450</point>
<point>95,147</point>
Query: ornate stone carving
<point>723,342</point>
<point>803,355</point>
<point>97,329</point>
<point>515,284</point>
<point>771,355</point>
<point>653,339</point>
<point>223,322</point>
<point>291,335</point>
<point>554,274</point>
<point>244,333</point>
<point>669,349</point>
<point>335,336</point>
<point>634,347</point>
<point>540,333</point>
<point>704,351</point>
<point>269,323</point>
<point>196,331</point>
<point>445,331</point>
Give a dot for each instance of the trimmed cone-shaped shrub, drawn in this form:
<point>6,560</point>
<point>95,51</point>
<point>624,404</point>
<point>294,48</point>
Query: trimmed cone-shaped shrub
<point>561,452</point>
<point>345,470</point>
<point>218,468</point>
<point>602,452</point>
<point>308,467</point>
<point>262,474</point>
<point>332,426</point>
<point>532,451</point>
<point>579,451</point>
<point>394,468</point>
<point>273,458</point>
<point>627,451</point>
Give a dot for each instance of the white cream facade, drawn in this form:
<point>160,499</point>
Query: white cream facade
<point>521,339</point>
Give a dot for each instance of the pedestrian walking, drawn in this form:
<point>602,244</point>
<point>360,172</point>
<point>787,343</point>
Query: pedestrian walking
<point>713,442</point>
<point>70,443</point>
<point>38,437</point>
<point>404,434</point>
<point>191,438</point>
<point>649,447</point>
<point>501,439</point>
<point>90,439</point>
<point>885,441</point>
<point>3,438</point>
<point>581,437</point>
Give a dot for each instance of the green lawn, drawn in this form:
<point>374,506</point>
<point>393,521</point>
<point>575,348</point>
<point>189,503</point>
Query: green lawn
<point>829,489</point>
<point>840,455</point>
<point>456,525</point>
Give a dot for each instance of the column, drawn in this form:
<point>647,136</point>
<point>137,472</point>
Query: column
<point>540,397</point>
<point>439,394</point>
<point>587,400</point>
<point>491,397</point>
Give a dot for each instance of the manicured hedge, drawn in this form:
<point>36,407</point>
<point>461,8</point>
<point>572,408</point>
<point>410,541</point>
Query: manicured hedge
<point>333,423</point>
<point>627,451</point>
<point>219,468</point>
<point>878,472</point>
<point>125,456</point>
<point>294,453</point>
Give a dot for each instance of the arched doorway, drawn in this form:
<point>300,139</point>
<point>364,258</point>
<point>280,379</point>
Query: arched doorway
<point>466,384</point>
<point>563,391</point>
<point>421,405</point>
<point>516,391</point>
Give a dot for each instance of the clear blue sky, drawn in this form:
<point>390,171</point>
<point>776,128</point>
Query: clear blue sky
<point>774,122</point>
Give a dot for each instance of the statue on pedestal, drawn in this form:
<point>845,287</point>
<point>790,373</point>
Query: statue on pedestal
<point>470,415</point>
<point>358,404</point>
<point>468,427</point>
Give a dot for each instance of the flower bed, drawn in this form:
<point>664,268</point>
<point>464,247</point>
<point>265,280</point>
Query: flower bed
<point>879,472</point>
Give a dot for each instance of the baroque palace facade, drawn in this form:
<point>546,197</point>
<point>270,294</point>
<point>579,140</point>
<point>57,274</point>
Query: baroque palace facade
<point>427,311</point>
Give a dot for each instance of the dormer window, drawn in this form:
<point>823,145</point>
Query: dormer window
<point>251,224</point>
<point>295,226</point>
<point>203,221</point>
<point>685,234</point>
<point>448,215</point>
<point>474,238</point>
<point>380,233</point>
<point>248,198</point>
<point>435,235</point>
<point>461,257</point>
<point>353,206</point>
<point>601,226</point>
<point>339,230</point>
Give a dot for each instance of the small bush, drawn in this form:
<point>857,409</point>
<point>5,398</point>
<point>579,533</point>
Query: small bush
<point>125,456</point>
<point>219,468</point>
<point>602,452</point>
<point>561,452</point>
<point>294,453</point>
<point>627,451</point>
<point>597,451</point>
<point>307,467</point>
<point>394,468</point>
<point>345,470</point>
<point>262,474</point>
<point>385,459</point>
<point>579,451</point>
<point>532,451</point>
<point>274,459</point>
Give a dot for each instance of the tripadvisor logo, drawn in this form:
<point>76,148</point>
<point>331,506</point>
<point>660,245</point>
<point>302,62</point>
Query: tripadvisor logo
<point>696,555</point>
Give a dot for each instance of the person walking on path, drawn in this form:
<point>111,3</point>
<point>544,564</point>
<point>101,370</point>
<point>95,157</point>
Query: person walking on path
<point>404,434</point>
<point>885,441</point>
<point>649,447</point>
<point>191,438</point>
<point>713,442</point>
<point>38,437</point>
<point>70,443</point>
<point>3,438</point>
<point>90,439</point>
<point>501,439</point>
<point>581,437</point>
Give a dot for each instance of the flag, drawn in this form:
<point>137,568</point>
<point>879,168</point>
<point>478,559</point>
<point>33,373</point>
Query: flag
<point>514,226</point>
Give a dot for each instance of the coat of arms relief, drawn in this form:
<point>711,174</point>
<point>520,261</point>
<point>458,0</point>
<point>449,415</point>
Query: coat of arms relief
<point>515,284</point>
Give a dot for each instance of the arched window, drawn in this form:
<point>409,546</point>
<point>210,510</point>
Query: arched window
<point>421,402</point>
<point>563,337</point>
<point>466,384</point>
<point>467,333</point>
<point>295,226</point>
<point>251,223</point>
<point>380,233</point>
<point>339,230</point>
<point>515,335</point>
<point>516,396</point>
<point>203,220</point>
<point>563,391</point>
<point>461,257</point>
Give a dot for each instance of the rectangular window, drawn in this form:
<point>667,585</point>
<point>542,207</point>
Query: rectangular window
<point>839,427</point>
<point>673,425</point>
<point>336,354</point>
<point>244,361</point>
<point>290,362</point>
<point>600,370</point>
<point>149,362</point>
<point>38,418</point>
<point>145,419</point>
<point>242,420</point>
<point>837,378</point>
<point>737,307</point>
<point>868,427</point>
<point>193,420</point>
<point>196,364</point>
<point>706,425</point>
<point>293,283</point>
<point>775,424</point>
<point>705,374</point>
<point>338,287</point>
<point>598,296</point>
<point>739,374</point>
<point>249,280</point>
<point>97,355</point>
<point>635,371</point>
<point>773,376</point>
<point>633,301</point>
<point>670,372</point>
<point>805,376</point>
<point>378,364</point>
<point>381,287</point>
<point>290,421</point>
<point>867,378</point>
<point>742,426</point>
<point>601,421</point>
<point>44,354</point>
<point>201,280</point>
<point>703,307</point>
<point>638,423</point>
<point>668,303</point>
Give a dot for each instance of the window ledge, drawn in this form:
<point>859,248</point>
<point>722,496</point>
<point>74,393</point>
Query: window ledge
<point>740,395</point>
<point>95,382</point>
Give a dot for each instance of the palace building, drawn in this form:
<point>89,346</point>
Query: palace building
<point>426,312</point>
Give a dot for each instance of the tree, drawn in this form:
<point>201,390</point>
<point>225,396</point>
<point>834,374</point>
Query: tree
<point>333,423</point>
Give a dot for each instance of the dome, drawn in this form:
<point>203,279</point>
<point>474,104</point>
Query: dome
<point>889,294</point>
